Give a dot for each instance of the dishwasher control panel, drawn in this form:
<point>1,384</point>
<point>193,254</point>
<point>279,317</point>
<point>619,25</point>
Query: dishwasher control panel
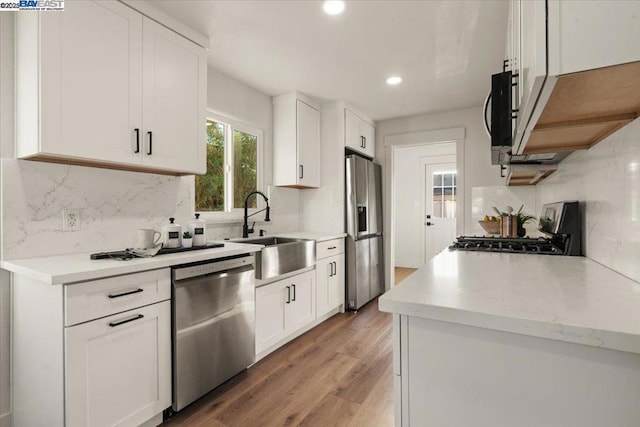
<point>212,266</point>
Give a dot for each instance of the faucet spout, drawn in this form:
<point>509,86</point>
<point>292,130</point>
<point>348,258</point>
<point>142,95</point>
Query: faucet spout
<point>245,223</point>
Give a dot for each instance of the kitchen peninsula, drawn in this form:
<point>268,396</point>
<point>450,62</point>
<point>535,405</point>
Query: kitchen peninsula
<point>515,339</point>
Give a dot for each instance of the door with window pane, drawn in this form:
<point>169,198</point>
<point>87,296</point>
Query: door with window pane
<point>440,205</point>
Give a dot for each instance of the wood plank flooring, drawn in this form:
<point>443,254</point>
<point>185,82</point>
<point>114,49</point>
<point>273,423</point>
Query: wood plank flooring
<point>337,374</point>
<point>402,273</point>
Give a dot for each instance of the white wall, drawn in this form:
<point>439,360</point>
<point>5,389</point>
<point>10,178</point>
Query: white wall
<point>477,168</point>
<point>606,180</point>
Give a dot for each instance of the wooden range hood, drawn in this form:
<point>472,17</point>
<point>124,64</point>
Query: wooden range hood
<point>586,107</point>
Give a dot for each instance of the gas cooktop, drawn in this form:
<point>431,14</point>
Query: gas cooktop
<point>504,244</point>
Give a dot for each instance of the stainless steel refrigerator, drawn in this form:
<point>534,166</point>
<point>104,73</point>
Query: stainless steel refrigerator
<point>364,257</point>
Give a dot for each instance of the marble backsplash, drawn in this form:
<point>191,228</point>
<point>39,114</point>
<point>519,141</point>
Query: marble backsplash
<point>606,180</point>
<point>112,204</point>
<point>484,198</point>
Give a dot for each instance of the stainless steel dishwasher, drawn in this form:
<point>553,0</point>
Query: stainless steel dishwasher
<point>213,325</point>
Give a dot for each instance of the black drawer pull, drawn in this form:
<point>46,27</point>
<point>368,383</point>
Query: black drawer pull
<point>294,292</point>
<point>122,322</point>
<point>288,295</point>
<point>332,247</point>
<point>137,140</point>
<point>150,143</point>
<point>125,293</point>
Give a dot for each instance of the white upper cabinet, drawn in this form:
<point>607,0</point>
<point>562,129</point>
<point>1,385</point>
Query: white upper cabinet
<point>116,90</point>
<point>359,133</point>
<point>578,65</point>
<point>174,103</point>
<point>296,141</point>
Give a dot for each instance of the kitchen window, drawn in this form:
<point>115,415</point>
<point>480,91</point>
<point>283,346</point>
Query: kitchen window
<point>234,167</point>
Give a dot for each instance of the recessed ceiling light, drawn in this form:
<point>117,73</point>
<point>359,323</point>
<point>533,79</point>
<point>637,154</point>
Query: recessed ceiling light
<point>394,80</point>
<point>333,7</point>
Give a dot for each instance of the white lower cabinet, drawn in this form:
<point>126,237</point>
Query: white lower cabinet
<point>329,275</point>
<point>93,353</point>
<point>329,283</point>
<point>283,308</point>
<point>118,368</point>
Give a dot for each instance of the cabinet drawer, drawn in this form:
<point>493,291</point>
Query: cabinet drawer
<point>98,298</point>
<point>329,248</point>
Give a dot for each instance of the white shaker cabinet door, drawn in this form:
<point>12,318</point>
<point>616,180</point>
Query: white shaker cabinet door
<point>91,83</point>
<point>118,368</point>
<point>270,317</point>
<point>174,103</point>
<point>301,309</point>
<point>369,137</point>
<point>336,282</point>
<point>308,137</point>
<point>324,274</point>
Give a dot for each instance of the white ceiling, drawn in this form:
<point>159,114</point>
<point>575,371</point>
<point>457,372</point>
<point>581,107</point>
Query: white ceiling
<point>445,51</point>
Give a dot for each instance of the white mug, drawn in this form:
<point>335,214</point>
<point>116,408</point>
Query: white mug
<point>147,238</point>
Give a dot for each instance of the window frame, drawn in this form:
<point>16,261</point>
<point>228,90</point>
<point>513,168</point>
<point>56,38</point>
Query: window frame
<point>231,214</point>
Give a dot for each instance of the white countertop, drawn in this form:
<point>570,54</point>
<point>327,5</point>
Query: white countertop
<point>570,299</point>
<point>61,269</point>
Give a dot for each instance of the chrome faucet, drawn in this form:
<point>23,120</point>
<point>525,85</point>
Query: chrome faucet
<point>245,225</point>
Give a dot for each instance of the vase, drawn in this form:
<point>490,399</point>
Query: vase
<point>522,232</point>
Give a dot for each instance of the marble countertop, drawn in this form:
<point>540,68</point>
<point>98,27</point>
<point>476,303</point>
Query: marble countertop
<point>72,268</point>
<point>572,299</point>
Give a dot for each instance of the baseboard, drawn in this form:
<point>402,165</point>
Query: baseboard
<point>296,334</point>
<point>5,420</point>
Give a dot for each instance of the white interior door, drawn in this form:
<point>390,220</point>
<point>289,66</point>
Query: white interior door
<point>440,203</point>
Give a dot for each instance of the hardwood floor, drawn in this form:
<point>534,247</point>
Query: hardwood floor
<point>337,374</point>
<point>402,273</point>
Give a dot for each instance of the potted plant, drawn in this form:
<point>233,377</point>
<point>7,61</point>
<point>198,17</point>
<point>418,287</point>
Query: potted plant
<point>187,239</point>
<point>522,220</point>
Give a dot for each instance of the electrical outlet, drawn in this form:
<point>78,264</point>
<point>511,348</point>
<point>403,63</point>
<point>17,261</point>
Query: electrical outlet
<point>70,219</point>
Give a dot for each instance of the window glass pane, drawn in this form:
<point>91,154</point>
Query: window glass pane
<point>245,168</point>
<point>436,193</point>
<point>437,179</point>
<point>209,188</point>
<point>448,179</point>
<point>437,208</point>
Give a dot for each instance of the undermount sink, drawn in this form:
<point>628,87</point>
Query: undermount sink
<point>282,255</point>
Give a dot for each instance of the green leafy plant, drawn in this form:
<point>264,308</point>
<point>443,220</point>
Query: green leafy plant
<point>186,235</point>
<point>523,219</point>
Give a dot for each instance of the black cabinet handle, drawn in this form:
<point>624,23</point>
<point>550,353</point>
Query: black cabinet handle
<point>335,268</point>
<point>122,322</point>
<point>150,143</point>
<point>294,292</point>
<point>365,141</point>
<point>288,295</point>
<point>361,141</point>
<point>137,130</point>
<point>301,171</point>
<point>332,247</point>
<point>330,269</point>
<point>125,293</point>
